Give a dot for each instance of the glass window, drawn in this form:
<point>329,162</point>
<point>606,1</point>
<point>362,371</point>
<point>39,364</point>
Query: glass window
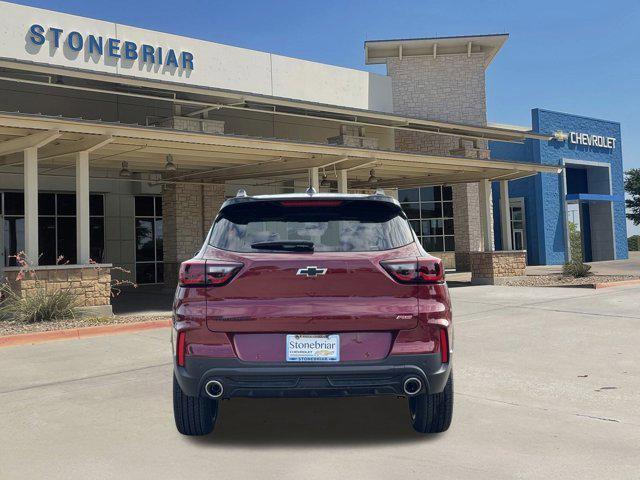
<point>46,204</point>
<point>149,239</point>
<point>447,209</point>
<point>412,210</point>
<point>66,203</point>
<point>145,249</point>
<point>516,213</point>
<point>145,272</point>
<point>13,239</point>
<point>96,205</point>
<point>448,227</point>
<point>449,243</point>
<point>433,244</point>
<point>145,206</point>
<point>432,209</point>
<point>13,203</point>
<point>66,236</point>
<point>56,227</point>
<point>352,226</point>
<point>430,194</point>
<point>408,195</point>
<point>415,224</point>
<point>158,206</point>
<point>96,239</point>
<point>159,238</point>
<point>47,240</point>
<point>432,227</point>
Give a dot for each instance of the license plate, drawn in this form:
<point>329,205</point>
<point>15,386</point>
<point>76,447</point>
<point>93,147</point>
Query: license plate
<point>313,348</point>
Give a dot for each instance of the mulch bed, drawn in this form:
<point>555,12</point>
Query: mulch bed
<point>562,281</point>
<point>17,328</point>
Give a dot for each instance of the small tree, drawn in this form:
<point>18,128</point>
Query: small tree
<point>575,242</point>
<point>632,187</point>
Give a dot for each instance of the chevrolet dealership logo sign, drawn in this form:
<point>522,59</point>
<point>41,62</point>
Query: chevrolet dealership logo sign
<point>586,139</point>
<point>113,48</point>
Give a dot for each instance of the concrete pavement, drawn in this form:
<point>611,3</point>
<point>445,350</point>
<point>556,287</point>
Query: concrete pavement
<point>547,386</point>
<point>631,266</point>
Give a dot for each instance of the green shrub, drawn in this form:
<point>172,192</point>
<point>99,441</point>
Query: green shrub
<point>38,306</point>
<point>634,243</point>
<point>576,269</point>
<point>575,242</point>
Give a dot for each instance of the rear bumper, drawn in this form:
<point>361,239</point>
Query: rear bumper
<point>249,379</point>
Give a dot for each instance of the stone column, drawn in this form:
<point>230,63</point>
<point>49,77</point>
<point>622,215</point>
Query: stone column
<point>448,88</point>
<point>212,201</point>
<point>187,213</point>
<point>466,223</point>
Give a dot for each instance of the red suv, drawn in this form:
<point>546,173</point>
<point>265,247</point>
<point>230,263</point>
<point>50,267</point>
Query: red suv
<point>312,295</point>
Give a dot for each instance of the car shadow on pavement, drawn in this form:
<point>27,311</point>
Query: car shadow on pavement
<point>322,421</point>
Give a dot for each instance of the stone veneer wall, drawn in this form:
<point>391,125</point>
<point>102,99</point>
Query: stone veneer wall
<point>448,258</point>
<point>447,88</point>
<point>490,267</point>
<point>90,284</point>
<point>188,212</point>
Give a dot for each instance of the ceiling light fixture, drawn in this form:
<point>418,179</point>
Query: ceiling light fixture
<point>325,181</point>
<point>169,165</point>
<point>124,171</point>
<point>373,180</point>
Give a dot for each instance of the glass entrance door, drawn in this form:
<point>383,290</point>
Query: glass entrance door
<point>149,254</point>
<point>518,228</point>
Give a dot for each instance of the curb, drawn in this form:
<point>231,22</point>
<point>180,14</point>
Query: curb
<point>83,332</point>
<point>616,284</point>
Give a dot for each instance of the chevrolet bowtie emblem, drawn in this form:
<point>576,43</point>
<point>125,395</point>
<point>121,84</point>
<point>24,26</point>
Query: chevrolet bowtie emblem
<point>312,271</point>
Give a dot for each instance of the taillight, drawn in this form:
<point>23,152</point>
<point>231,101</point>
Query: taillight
<point>193,273</point>
<point>444,345</point>
<point>219,274</point>
<point>207,273</point>
<point>180,349</point>
<point>420,270</point>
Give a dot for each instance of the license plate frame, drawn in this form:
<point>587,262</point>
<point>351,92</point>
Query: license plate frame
<point>312,348</point>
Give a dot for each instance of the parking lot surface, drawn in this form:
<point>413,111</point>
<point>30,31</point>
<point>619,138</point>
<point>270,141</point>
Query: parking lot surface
<point>547,386</point>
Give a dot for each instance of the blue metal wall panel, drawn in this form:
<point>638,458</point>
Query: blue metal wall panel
<point>543,193</point>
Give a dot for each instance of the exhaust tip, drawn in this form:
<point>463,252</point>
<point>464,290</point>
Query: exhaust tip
<point>214,389</point>
<point>412,386</point>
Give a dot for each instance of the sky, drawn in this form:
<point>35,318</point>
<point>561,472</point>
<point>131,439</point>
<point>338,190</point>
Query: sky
<point>578,57</point>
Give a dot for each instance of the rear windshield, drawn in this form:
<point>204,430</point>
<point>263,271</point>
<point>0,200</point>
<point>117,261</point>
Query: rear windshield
<point>336,226</point>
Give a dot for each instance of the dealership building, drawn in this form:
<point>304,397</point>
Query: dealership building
<point>119,144</point>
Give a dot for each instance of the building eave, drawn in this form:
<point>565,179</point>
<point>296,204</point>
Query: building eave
<point>378,51</point>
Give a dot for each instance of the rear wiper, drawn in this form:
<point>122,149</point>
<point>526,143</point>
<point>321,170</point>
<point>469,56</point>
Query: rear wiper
<point>287,245</point>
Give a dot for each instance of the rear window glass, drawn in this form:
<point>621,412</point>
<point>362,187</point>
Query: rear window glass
<point>344,226</point>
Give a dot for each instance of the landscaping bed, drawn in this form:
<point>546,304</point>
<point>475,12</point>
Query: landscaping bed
<point>9,327</point>
<point>557,280</point>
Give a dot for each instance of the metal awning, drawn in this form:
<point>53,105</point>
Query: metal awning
<point>209,158</point>
<point>593,197</point>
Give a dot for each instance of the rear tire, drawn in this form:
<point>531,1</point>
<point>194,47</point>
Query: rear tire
<point>432,413</point>
<point>193,415</point>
